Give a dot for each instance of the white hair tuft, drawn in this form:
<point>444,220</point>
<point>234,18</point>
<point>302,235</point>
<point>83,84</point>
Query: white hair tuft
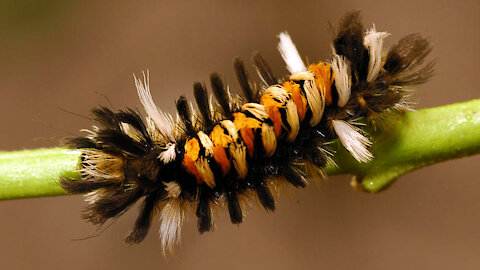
<point>353,140</point>
<point>290,54</point>
<point>374,42</point>
<point>161,119</point>
<point>343,79</point>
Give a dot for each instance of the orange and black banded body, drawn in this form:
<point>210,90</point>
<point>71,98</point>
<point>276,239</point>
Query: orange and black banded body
<point>243,145</point>
<point>265,137</point>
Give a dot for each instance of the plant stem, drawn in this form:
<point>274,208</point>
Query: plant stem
<point>34,173</point>
<point>416,140</point>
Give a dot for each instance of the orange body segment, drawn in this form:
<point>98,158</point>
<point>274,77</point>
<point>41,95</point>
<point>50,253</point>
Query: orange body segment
<point>192,150</point>
<point>246,126</point>
<point>300,100</point>
<point>271,106</point>
<point>220,142</point>
<point>323,79</point>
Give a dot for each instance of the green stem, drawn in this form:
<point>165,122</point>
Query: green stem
<point>34,173</point>
<point>416,140</point>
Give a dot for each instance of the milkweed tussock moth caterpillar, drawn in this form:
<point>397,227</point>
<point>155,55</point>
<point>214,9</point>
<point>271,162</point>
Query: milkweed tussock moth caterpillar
<point>239,149</point>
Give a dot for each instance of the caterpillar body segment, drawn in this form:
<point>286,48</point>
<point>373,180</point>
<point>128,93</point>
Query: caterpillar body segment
<point>242,148</point>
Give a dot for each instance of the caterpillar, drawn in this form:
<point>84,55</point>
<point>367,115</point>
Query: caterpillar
<point>240,149</point>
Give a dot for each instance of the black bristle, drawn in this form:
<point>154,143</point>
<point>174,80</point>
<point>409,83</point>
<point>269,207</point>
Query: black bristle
<point>203,212</point>
<point>221,94</point>
<point>242,78</point>
<point>349,43</point>
<point>135,120</point>
<point>264,69</point>
<point>111,206</point>
<point>294,176</point>
<point>265,196</point>
<point>405,58</point>
<point>417,77</point>
<point>76,186</point>
<point>142,224</point>
<point>234,208</point>
<point>114,140</point>
<point>408,51</point>
<point>189,188</point>
<point>183,109</point>
<point>201,97</point>
<point>314,153</point>
<point>105,118</point>
<point>77,143</point>
<point>377,101</point>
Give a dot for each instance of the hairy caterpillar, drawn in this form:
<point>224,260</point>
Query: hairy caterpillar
<point>238,150</point>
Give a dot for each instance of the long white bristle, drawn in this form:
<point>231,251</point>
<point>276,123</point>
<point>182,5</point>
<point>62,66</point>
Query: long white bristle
<point>374,42</point>
<point>161,119</point>
<point>171,220</point>
<point>343,80</point>
<point>168,154</point>
<point>316,101</point>
<point>290,54</point>
<point>353,140</point>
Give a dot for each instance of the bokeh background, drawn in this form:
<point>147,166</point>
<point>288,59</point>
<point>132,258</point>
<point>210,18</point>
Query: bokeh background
<point>58,56</point>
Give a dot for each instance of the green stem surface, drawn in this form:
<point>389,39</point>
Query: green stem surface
<point>35,173</point>
<point>416,140</point>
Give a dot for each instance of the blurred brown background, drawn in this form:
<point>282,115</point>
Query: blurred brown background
<point>58,55</point>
